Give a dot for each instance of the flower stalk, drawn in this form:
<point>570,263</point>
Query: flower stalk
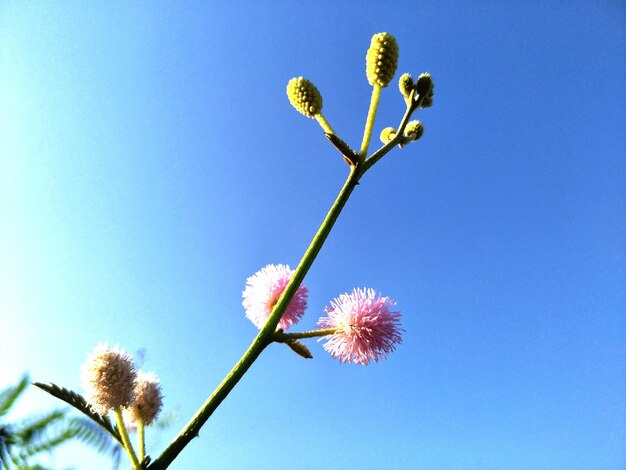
<point>141,440</point>
<point>124,435</point>
<point>281,337</point>
<point>324,123</point>
<point>369,123</point>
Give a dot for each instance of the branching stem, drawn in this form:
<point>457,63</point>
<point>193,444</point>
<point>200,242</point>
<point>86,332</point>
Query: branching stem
<point>268,333</point>
<point>265,335</point>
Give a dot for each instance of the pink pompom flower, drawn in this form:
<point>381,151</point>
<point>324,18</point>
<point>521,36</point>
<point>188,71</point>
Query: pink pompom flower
<point>367,327</point>
<point>263,290</point>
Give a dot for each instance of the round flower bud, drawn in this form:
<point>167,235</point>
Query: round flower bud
<point>381,59</point>
<point>304,96</point>
<point>405,84</point>
<point>424,84</point>
<point>428,101</point>
<point>387,134</point>
<point>414,130</point>
<point>148,398</point>
<point>108,378</point>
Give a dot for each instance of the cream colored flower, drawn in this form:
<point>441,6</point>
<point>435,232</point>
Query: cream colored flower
<point>148,398</point>
<point>108,378</point>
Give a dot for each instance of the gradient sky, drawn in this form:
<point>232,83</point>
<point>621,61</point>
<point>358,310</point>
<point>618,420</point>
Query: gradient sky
<point>150,162</point>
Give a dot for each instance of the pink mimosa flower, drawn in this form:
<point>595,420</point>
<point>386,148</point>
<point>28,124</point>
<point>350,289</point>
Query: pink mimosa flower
<point>368,328</point>
<point>263,290</point>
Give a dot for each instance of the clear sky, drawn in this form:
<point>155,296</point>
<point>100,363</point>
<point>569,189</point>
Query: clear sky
<point>150,162</point>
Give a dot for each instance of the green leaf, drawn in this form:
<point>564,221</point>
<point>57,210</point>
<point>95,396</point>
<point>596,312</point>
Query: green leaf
<point>166,420</point>
<point>47,445</point>
<point>9,395</point>
<point>92,434</point>
<point>78,401</point>
<point>33,430</point>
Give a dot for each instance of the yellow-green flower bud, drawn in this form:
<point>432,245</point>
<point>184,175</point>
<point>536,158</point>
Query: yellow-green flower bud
<point>381,59</point>
<point>387,134</point>
<point>406,85</point>
<point>424,85</point>
<point>413,130</point>
<point>304,96</point>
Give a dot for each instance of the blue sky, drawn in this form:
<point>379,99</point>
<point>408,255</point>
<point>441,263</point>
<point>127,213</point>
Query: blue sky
<point>150,162</point>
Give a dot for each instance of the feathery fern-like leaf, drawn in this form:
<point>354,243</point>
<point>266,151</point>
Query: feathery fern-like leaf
<point>47,445</point>
<point>31,431</point>
<point>92,434</point>
<point>164,421</point>
<point>9,395</point>
<point>78,401</point>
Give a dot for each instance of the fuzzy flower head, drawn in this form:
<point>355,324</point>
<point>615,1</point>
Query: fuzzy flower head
<point>414,130</point>
<point>148,398</point>
<point>387,135</point>
<point>108,378</point>
<point>405,84</point>
<point>263,290</point>
<point>368,328</point>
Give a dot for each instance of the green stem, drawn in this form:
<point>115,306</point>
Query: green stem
<point>265,335</point>
<point>381,152</point>
<point>124,435</point>
<point>369,123</point>
<point>281,337</point>
<point>141,440</point>
<point>324,123</point>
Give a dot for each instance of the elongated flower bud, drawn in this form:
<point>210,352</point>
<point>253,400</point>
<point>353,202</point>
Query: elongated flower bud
<point>381,59</point>
<point>299,348</point>
<point>405,84</point>
<point>424,85</point>
<point>427,102</point>
<point>304,96</point>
